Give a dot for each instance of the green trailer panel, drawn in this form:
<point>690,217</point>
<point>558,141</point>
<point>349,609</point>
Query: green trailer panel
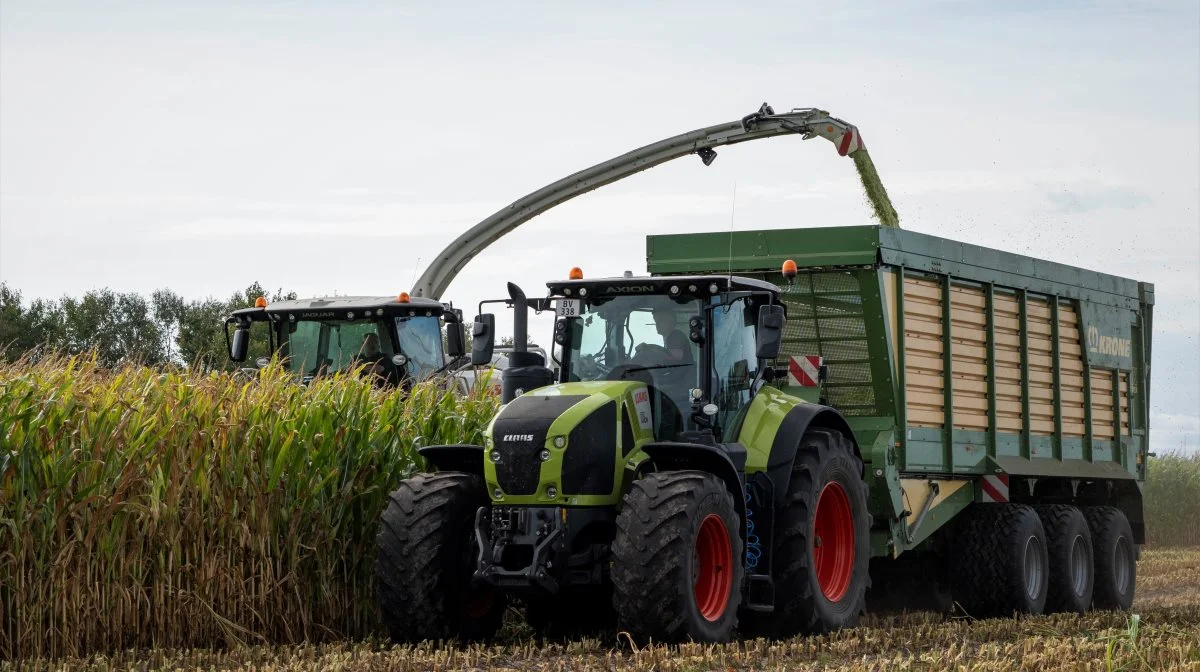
<point>974,360</point>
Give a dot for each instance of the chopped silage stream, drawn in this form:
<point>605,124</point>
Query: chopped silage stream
<point>877,196</point>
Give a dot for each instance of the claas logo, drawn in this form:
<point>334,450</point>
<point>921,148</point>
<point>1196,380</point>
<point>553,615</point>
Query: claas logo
<point>640,396</point>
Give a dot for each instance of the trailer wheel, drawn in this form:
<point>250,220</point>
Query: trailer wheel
<point>1069,547</point>
<point>677,570</point>
<point>1002,560</point>
<point>821,553</point>
<point>426,556</point>
<point>1116,567</point>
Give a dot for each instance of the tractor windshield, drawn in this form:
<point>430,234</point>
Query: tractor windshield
<point>646,338</point>
<point>326,346</point>
<point>616,337</point>
<point>320,347</point>
<point>421,340</point>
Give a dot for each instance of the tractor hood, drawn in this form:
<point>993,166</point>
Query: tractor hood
<point>555,444</point>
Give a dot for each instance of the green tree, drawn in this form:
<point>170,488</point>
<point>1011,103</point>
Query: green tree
<point>164,329</point>
<point>168,316</point>
<point>118,327</point>
<point>28,331</point>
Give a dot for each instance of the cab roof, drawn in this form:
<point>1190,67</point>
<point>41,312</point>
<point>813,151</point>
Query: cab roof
<point>345,307</point>
<point>694,285</point>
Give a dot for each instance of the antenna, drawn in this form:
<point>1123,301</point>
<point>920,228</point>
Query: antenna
<point>732,212</point>
<point>416,268</point>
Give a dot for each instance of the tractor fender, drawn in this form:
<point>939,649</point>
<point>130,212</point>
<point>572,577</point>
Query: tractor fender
<point>462,457</point>
<point>789,435</point>
<point>716,460</point>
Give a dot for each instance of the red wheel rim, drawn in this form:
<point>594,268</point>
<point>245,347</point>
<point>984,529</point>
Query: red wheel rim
<point>714,567</point>
<point>833,541</point>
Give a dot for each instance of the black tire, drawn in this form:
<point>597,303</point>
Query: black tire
<point>1069,548</point>
<point>1113,549</point>
<point>426,556</point>
<point>1002,562</point>
<point>667,521</point>
<point>801,606</point>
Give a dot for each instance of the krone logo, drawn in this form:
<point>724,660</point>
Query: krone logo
<point>518,437</point>
<point>1108,345</point>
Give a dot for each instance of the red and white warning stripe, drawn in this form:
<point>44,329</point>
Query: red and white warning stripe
<point>803,370</point>
<point>995,488</point>
<point>851,142</point>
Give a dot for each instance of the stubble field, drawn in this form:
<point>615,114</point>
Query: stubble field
<point>1161,633</point>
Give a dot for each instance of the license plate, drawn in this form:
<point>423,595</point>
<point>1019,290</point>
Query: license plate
<point>569,307</point>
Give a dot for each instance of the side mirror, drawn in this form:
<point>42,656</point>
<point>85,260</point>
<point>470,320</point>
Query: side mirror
<point>241,341</point>
<point>483,339</point>
<point>454,339</point>
<point>770,331</point>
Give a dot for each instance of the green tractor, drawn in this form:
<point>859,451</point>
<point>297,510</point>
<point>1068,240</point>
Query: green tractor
<point>660,484</point>
<point>393,340</point>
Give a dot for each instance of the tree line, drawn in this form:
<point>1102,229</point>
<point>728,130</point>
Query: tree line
<point>163,328</point>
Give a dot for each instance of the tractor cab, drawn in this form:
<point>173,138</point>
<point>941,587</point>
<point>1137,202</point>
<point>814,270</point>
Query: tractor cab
<point>395,339</point>
<point>699,344</point>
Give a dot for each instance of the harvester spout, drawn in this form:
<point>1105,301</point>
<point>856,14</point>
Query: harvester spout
<point>806,122</point>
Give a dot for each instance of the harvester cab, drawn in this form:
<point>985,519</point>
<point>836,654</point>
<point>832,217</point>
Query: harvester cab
<point>397,340</point>
<point>642,485</point>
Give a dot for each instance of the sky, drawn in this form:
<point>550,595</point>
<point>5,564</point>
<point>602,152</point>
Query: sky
<point>330,147</point>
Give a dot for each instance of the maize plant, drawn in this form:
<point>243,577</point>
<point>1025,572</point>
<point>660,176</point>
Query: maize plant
<point>143,507</point>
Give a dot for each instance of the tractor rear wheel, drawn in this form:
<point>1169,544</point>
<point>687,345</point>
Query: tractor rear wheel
<point>1069,546</point>
<point>821,553</point>
<point>1002,561</point>
<point>426,557</point>
<point>677,558</point>
<point>1116,565</point>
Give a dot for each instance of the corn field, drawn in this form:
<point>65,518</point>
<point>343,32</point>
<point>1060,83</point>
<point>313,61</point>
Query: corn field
<point>1173,500</point>
<point>142,508</point>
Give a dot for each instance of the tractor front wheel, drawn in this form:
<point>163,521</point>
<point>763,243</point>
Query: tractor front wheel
<point>425,558</point>
<point>821,554</point>
<point>677,559</point>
